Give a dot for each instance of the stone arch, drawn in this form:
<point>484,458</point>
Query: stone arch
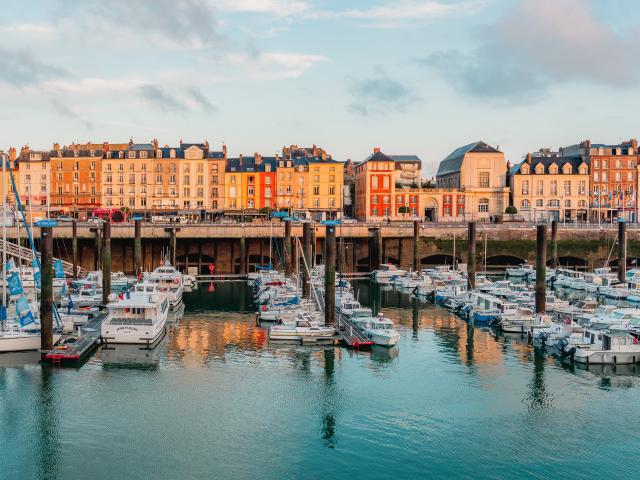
<point>576,263</point>
<point>504,261</point>
<point>439,259</point>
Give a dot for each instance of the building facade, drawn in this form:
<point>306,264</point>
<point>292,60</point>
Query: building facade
<point>614,178</point>
<point>551,188</point>
<point>34,172</point>
<point>76,178</point>
<point>476,175</point>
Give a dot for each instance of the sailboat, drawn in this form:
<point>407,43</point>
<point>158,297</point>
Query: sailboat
<point>19,325</point>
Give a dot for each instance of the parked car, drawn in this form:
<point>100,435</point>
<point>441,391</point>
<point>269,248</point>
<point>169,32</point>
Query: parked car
<point>348,220</point>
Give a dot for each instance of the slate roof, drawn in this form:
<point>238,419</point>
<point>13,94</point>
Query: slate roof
<point>248,164</point>
<point>574,161</point>
<point>453,163</point>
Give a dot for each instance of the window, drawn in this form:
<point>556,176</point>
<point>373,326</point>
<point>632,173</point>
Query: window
<point>386,199</point>
<point>567,203</point>
<point>539,187</point>
<point>132,178</point>
<point>605,164</point>
<point>187,179</point>
<point>374,211</point>
<point>483,179</point>
<point>618,163</point>
<point>316,190</point>
<point>374,181</point>
<point>332,190</point>
<point>132,154</point>
<point>75,176</point>
<point>385,182</point>
<point>60,176</point>
<point>596,164</point>
<point>232,180</point>
<point>172,179</point>
<point>251,191</point>
<point>582,187</point>
<point>332,203</point>
<point>604,176</point>
<point>525,187</point>
<point>316,178</point>
<point>267,192</point>
<point>399,199</point>
<point>332,178</point>
<point>316,202</point>
<point>525,205</point>
<point>483,204</point>
<point>567,187</point>
<point>267,181</point>
<point>540,202</point>
<point>618,176</point>
<point>582,203</point>
<point>629,177</point>
<point>554,202</point>
<point>554,187</point>
<point>596,177</point>
<point>374,199</point>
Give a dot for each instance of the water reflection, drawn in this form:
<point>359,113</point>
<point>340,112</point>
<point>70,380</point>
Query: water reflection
<point>48,439</point>
<point>537,396</point>
<point>328,413</point>
<point>133,356</point>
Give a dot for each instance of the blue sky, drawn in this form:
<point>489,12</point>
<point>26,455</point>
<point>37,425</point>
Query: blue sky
<point>409,76</point>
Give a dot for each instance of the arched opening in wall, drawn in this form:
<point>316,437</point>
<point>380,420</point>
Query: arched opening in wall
<point>362,264</point>
<point>632,262</point>
<point>391,260</point>
<point>501,262</point>
<point>576,263</point>
<point>436,260</point>
<point>431,210</point>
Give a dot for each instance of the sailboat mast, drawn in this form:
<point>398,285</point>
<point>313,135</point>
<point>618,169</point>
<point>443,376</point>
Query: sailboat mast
<point>454,251</point>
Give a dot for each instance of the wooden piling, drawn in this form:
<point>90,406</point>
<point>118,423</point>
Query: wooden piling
<point>306,263</point>
<point>74,248</point>
<point>622,250</point>
<point>471,255</point>
<point>137,248</point>
<point>554,244</point>
<point>106,262</point>
<point>416,239</point>
<point>541,268</point>
<point>330,275</point>
<point>46,290</point>
<point>286,251</point>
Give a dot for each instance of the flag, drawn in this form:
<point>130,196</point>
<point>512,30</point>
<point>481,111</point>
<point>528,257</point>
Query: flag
<point>10,265</point>
<point>15,285</point>
<point>37,278</point>
<point>35,264</point>
<point>26,319</point>
<point>58,269</point>
<point>22,306</point>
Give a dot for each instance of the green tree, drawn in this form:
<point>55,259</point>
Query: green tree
<point>511,210</point>
<point>404,210</point>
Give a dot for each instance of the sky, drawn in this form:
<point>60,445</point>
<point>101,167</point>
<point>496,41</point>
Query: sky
<point>409,76</point>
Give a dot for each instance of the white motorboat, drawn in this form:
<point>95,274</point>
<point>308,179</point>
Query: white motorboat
<point>138,316</point>
<point>385,274</point>
<point>86,297</point>
<point>380,331</point>
<point>302,330</point>
<point>518,321</point>
<point>169,281</point>
<point>618,318</point>
<point>93,280</point>
<point>523,271</point>
<point>609,347</point>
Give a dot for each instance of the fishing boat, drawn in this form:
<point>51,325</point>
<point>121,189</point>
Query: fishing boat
<point>138,316</point>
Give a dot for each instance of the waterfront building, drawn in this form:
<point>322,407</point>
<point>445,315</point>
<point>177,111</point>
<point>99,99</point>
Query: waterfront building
<point>309,183</point>
<point>76,179</point>
<point>476,174</point>
<point>34,181</point>
<point>551,187</point>
<point>614,178</point>
<point>249,183</point>
<point>376,180</point>
<point>12,166</point>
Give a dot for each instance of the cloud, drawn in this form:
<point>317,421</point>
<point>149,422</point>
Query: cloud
<point>201,100</point>
<point>190,23</point>
<point>538,44</point>
<point>64,111</point>
<point>275,65</point>
<point>157,97</point>
<point>30,29</point>
<point>393,13</point>
<point>20,68</point>
<point>380,94</point>
<point>279,8</point>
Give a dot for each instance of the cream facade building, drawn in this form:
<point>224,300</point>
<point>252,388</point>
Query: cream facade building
<point>551,188</point>
<point>476,176</point>
<point>35,180</point>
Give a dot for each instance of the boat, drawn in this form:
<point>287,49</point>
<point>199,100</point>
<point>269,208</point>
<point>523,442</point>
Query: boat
<point>302,330</point>
<point>523,271</point>
<point>169,281</point>
<point>609,347</point>
<point>385,274</point>
<point>138,316</point>
<point>86,297</point>
<point>380,331</point>
<point>93,280</point>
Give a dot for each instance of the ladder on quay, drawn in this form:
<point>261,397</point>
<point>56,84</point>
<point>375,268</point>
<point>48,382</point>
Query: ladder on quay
<point>25,255</point>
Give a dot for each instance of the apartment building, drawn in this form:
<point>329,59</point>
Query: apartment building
<point>76,178</point>
<point>35,180</point>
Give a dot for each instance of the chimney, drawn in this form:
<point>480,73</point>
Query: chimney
<point>315,150</point>
<point>154,142</point>
<point>224,151</point>
<point>56,146</point>
<point>12,154</point>
<point>258,158</point>
<point>105,146</point>
<point>528,158</point>
<point>131,142</point>
<point>376,150</point>
<point>206,144</point>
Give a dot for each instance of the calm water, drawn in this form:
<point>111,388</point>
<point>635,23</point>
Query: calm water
<point>214,400</point>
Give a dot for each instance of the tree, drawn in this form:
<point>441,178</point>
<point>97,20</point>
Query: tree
<point>265,211</point>
<point>511,210</point>
<point>404,210</point>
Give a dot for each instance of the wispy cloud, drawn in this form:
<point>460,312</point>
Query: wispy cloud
<point>196,95</point>
<point>537,45</point>
<point>275,65</point>
<point>380,94</point>
<point>159,98</point>
<point>21,68</point>
<point>278,8</point>
<point>413,10</point>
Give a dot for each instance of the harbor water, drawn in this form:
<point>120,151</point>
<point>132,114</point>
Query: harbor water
<point>216,400</point>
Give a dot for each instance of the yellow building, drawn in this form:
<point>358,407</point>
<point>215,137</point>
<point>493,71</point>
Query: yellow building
<point>34,181</point>
<point>479,172</point>
<point>551,187</point>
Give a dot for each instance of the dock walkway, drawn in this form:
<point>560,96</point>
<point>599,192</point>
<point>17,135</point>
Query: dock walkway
<point>74,354</point>
<point>351,335</point>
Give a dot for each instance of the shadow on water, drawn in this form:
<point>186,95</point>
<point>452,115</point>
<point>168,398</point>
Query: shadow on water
<point>415,317</point>
<point>225,297</point>
<point>537,396</point>
<point>132,357</point>
<point>48,441</point>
